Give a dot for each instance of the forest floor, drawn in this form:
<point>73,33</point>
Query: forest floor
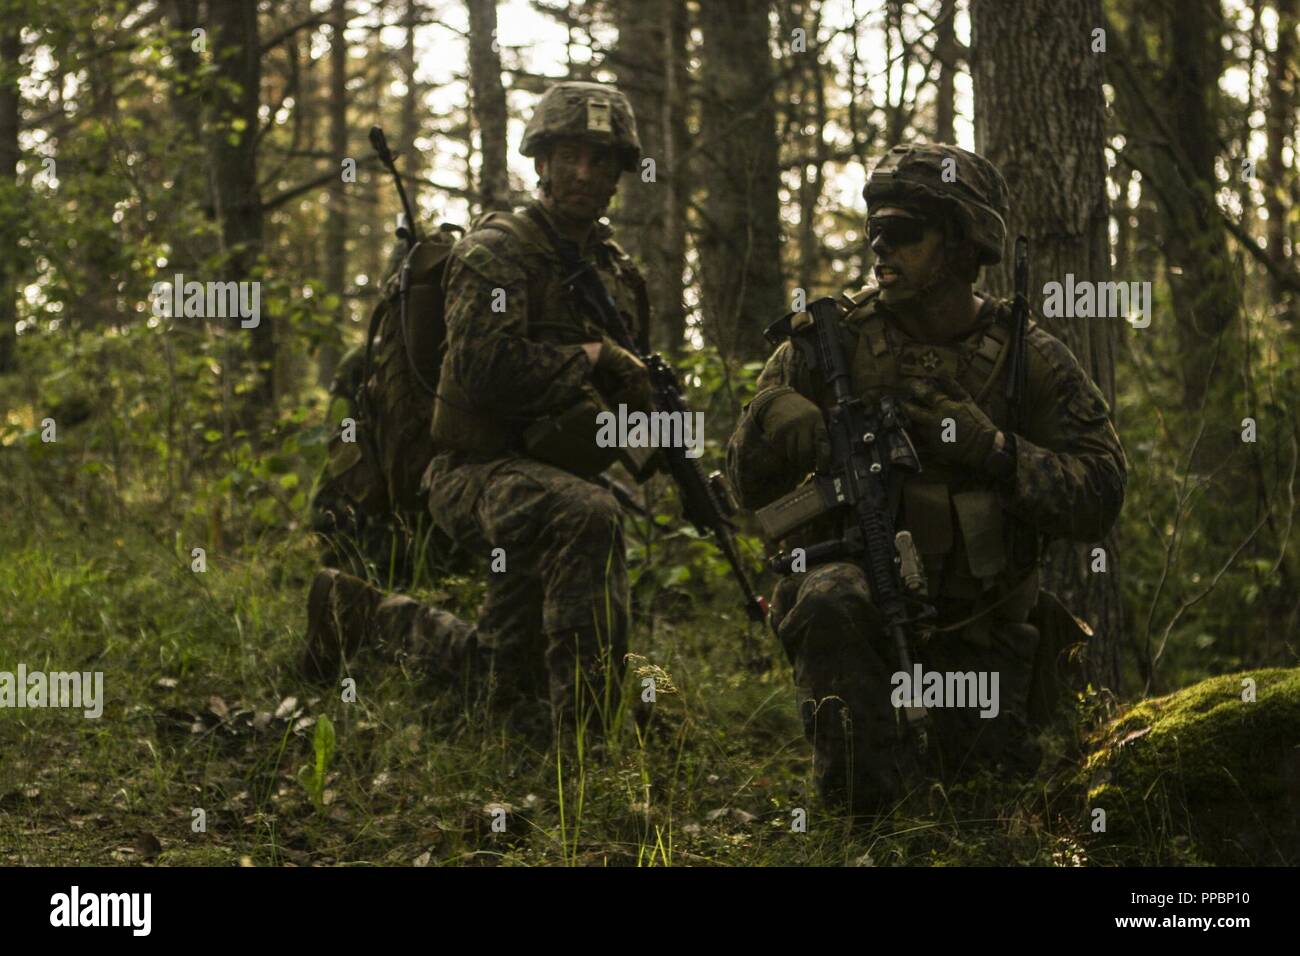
<point>211,751</point>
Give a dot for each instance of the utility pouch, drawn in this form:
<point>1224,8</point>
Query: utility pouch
<point>928,515</point>
<point>980,517</point>
<point>568,440</point>
<point>352,469</point>
<point>425,331</point>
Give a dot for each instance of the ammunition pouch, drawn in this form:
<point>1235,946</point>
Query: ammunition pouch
<point>810,500</point>
<point>568,440</point>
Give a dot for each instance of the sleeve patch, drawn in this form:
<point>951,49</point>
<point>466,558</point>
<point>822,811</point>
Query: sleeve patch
<point>478,257</point>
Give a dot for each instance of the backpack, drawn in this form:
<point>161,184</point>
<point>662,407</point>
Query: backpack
<point>381,470</point>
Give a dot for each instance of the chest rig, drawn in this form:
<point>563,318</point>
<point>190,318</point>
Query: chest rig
<point>955,515</point>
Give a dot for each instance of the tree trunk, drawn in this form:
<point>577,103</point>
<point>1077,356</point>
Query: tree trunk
<point>489,98</point>
<point>236,96</point>
<point>1281,127</point>
<point>739,240</point>
<point>649,212</point>
<point>10,113</point>
<point>1039,116</point>
<point>336,221</point>
<point>1166,107</point>
<point>945,48</point>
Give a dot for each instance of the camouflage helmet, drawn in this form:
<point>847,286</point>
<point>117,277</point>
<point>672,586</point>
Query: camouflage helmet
<point>590,111</point>
<point>972,188</point>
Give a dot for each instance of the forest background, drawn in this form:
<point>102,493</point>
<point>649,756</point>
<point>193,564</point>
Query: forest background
<point>1142,142</point>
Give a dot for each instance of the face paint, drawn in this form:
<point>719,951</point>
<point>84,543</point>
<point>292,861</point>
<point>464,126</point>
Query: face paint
<point>581,178</point>
<point>909,255</point>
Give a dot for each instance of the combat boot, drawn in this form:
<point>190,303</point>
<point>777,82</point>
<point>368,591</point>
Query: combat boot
<point>340,620</point>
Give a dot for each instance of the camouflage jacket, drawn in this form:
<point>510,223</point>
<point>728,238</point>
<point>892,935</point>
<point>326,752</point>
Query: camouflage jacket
<point>1070,467</point>
<point>514,335</point>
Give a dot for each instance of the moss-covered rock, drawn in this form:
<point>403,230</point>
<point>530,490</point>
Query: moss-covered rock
<point>1202,775</point>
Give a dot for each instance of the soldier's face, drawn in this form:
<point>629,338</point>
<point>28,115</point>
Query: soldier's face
<point>909,252</point>
<point>583,177</point>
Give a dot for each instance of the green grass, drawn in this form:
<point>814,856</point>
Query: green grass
<point>204,710</point>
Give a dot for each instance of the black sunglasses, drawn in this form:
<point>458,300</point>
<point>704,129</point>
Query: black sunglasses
<point>895,230</point>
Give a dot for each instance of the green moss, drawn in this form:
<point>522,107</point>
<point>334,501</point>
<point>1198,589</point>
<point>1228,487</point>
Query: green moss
<point>1202,775</point>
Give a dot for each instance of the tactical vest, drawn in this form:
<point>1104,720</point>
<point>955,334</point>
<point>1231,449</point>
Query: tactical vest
<point>552,318</point>
<point>972,549</point>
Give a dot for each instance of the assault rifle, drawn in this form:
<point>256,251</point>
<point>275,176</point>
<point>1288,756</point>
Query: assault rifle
<point>870,455</point>
<point>705,501</point>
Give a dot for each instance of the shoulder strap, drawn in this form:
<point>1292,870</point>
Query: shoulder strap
<point>514,224</point>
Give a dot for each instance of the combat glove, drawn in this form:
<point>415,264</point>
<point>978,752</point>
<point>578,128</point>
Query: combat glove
<point>929,402</point>
<point>795,427</point>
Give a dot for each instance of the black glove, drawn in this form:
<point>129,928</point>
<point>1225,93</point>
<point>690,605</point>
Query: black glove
<point>929,402</point>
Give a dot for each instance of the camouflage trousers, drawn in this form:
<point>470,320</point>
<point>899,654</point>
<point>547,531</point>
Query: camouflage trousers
<point>554,622</point>
<point>844,665</point>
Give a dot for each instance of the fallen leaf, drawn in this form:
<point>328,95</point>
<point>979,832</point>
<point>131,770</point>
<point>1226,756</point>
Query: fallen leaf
<point>147,846</point>
<point>286,708</point>
<point>218,707</point>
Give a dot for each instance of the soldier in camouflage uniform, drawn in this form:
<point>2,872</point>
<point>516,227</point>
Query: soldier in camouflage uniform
<point>521,352</point>
<point>978,509</point>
